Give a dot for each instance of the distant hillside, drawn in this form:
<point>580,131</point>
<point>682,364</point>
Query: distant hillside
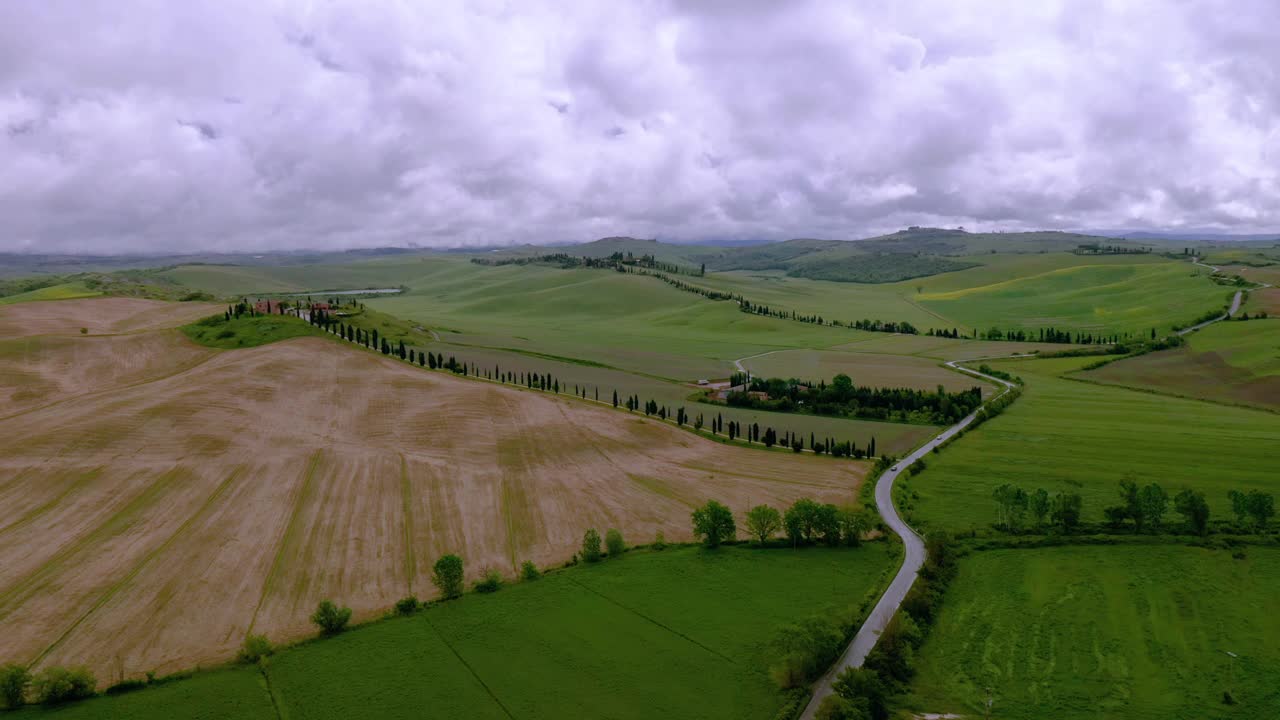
<point>911,253</point>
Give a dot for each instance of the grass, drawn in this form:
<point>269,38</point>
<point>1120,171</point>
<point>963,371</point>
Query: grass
<point>1100,298</point>
<point>680,633</point>
<point>1134,632</point>
<point>1231,362</point>
<point>874,369</point>
<point>63,291</point>
<point>227,694</point>
<point>245,331</point>
<point>1080,437</point>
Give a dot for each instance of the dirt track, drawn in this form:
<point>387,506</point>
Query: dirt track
<point>175,499</point>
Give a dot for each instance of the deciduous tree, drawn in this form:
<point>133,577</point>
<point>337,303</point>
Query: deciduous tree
<point>591,546</point>
<point>713,523</point>
<point>446,575</point>
<point>763,522</point>
<point>1193,506</point>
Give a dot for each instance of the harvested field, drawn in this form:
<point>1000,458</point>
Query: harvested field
<point>39,370</point>
<point>173,507</point>
<point>100,316</point>
<point>1266,299</point>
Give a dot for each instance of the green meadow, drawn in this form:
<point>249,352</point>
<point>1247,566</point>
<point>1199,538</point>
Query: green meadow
<point>681,633</point>
<point>1070,436</point>
<point>1134,632</point>
<point>246,331</point>
<point>1100,298</point>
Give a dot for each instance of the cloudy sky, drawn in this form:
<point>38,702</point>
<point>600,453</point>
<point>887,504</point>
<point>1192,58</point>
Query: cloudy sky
<point>261,124</point>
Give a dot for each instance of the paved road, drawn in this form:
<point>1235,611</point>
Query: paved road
<point>913,560</point>
<point>1231,311</point>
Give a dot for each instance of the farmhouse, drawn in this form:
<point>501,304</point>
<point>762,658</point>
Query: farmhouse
<point>268,307</point>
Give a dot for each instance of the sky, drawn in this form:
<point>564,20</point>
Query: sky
<point>243,125</point>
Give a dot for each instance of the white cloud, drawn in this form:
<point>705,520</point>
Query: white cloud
<point>148,125</point>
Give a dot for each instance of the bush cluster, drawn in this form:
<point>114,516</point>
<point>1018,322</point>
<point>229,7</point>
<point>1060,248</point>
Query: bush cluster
<point>863,692</point>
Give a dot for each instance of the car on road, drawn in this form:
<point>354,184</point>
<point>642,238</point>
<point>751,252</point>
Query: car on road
<point>894,468</point>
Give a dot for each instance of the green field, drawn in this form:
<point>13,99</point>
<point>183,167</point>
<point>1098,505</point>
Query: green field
<point>1070,436</point>
<point>246,331</point>
<point>872,369</point>
<point>64,291</point>
<point>677,634</point>
<point>1134,632</point>
<point>1102,298</point>
<point>1230,362</point>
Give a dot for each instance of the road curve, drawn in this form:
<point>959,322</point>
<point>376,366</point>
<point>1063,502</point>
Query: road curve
<point>1231,312</point>
<point>913,559</point>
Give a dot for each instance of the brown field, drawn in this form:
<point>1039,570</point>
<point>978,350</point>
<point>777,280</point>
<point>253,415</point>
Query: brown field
<point>1267,299</point>
<point>100,316</point>
<point>158,501</point>
<point>1233,362</point>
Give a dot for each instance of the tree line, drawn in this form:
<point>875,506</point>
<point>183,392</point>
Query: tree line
<point>844,399</point>
<point>619,261</point>
<point>1142,508</point>
<point>1100,249</point>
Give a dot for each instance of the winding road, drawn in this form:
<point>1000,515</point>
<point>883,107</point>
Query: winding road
<point>913,559</point>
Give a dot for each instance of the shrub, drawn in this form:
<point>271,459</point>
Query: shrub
<point>864,688</point>
<point>591,546</point>
<point>330,618</point>
<point>447,576</point>
<point>806,650</point>
<point>491,581</point>
<point>529,571</point>
<point>225,334</point>
<point>407,605</point>
<point>125,686</point>
<point>84,331</point>
<point>255,648</point>
<point>614,542</point>
<point>14,679</point>
<point>835,707</point>
<point>659,541</point>
<point>56,684</point>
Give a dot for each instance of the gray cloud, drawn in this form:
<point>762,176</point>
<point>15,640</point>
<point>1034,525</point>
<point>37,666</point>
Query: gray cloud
<point>238,125</point>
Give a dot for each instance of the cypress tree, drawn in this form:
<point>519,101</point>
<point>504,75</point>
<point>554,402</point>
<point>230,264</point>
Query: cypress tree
<point>615,398</point>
